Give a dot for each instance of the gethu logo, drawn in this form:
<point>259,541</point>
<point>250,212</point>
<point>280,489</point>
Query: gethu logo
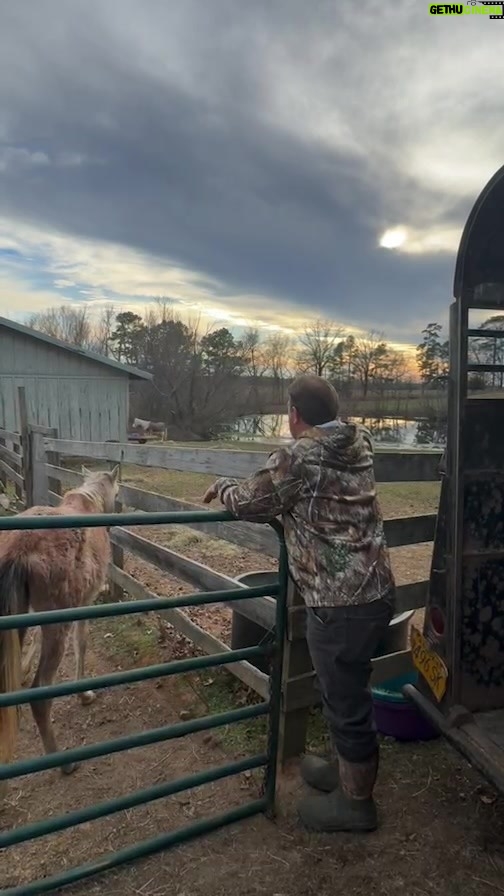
<point>473,7</point>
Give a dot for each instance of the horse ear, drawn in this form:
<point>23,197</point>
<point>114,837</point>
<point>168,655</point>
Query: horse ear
<point>114,474</point>
<point>85,471</point>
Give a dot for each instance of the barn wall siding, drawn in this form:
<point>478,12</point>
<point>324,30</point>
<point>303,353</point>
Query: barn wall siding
<point>24,355</point>
<point>82,399</point>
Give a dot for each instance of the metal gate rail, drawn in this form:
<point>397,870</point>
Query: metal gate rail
<point>273,647</point>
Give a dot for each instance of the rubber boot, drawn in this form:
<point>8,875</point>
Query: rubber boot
<point>321,774</point>
<point>349,808</point>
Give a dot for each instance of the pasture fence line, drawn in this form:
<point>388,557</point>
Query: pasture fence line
<point>299,687</point>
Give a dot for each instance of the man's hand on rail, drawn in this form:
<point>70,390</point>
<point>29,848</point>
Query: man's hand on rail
<point>210,494</point>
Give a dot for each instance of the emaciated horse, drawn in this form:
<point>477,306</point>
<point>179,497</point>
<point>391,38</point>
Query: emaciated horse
<point>51,569</point>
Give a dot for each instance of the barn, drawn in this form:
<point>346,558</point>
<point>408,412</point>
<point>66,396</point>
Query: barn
<point>82,394</point>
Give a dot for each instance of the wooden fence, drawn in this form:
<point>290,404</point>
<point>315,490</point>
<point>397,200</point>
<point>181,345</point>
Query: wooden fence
<point>37,466</point>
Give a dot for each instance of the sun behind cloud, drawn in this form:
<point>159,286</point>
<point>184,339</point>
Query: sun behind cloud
<point>393,238</point>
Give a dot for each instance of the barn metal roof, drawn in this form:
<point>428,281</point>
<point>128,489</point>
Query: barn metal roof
<point>132,372</point>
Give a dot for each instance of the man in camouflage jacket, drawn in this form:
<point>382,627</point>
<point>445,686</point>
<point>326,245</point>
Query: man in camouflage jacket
<point>323,487</point>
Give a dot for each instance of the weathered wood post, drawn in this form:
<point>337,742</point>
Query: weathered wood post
<point>53,458</point>
<point>25,445</point>
<point>40,487</point>
<point>16,447</point>
<point>115,590</point>
<point>3,476</point>
<point>296,662</point>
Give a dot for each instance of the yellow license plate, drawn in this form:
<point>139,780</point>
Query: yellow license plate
<point>429,664</point>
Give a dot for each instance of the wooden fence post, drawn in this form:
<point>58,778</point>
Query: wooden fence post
<point>38,465</point>
<point>26,446</point>
<point>19,488</point>
<point>115,590</point>
<point>3,476</point>
<point>296,661</point>
<point>54,459</point>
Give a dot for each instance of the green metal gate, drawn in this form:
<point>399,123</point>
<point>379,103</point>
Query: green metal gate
<point>271,707</point>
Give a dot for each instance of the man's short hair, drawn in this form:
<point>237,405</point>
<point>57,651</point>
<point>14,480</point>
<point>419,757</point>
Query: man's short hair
<point>315,400</point>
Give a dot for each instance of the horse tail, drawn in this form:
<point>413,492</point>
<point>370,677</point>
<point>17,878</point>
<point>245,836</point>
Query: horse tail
<point>13,600</point>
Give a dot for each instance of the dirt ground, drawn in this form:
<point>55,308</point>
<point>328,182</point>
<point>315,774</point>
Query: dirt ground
<point>442,827</point>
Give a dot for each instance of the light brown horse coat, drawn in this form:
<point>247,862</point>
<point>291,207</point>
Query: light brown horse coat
<point>51,569</point>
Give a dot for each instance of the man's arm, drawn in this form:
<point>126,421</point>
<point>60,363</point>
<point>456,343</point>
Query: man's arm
<point>266,494</point>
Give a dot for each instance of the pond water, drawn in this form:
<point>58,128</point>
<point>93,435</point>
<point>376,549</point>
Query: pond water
<point>392,432</point>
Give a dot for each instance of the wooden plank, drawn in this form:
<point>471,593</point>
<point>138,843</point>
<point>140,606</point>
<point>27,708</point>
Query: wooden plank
<point>10,456</point>
<point>3,478</point>
<point>255,679</point>
<point>296,662</point>
<point>259,609</point>
<point>68,478</point>
<point>54,485</point>
<point>38,466</point>
<point>253,536</point>
<point>26,445</point>
<point>412,596</point>
<point>19,488</point>
<point>390,466</point>
<point>302,692</point>
<point>14,437</point>
<point>258,537</point>
<point>11,474</point>
<point>44,431</point>
<point>117,552</point>
<point>405,530</point>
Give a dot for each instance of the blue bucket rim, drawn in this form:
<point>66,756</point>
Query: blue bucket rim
<point>391,691</point>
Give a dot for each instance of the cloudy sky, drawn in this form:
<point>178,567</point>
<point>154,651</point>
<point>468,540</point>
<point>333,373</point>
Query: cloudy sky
<point>244,158</point>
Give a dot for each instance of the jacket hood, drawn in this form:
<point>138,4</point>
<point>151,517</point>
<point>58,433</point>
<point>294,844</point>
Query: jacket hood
<point>348,443</point>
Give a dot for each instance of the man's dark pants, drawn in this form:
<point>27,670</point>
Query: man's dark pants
<point>342,641</point>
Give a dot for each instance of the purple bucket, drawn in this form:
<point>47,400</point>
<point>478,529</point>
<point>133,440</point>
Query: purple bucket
<point>398,717</point>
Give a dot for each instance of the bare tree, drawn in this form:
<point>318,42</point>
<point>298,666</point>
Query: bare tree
<point>369,360</point>
<point>253,353</point>
<point>318,345</point>
<point>70,324</point>
<point>398,368</point>
<point>103,330</point>
<point>278,358</point>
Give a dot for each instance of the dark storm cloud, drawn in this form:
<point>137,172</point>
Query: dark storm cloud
<point>106,136</point>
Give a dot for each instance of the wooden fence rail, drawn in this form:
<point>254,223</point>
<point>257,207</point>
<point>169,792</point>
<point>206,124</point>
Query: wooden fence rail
<point>299,690</point>
<point>12,461</point>
<point>390,466</point>
<point>255,537</point>
<point>255,679</point>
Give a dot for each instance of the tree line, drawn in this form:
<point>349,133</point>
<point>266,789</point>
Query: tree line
<point>203,378</point>
<point>433,355</point>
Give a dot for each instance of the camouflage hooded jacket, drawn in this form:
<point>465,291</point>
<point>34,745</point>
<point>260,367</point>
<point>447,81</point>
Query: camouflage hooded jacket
<point>323,487</point>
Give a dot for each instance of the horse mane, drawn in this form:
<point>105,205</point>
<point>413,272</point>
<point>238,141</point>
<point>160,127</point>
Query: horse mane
<point>89,491</point>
